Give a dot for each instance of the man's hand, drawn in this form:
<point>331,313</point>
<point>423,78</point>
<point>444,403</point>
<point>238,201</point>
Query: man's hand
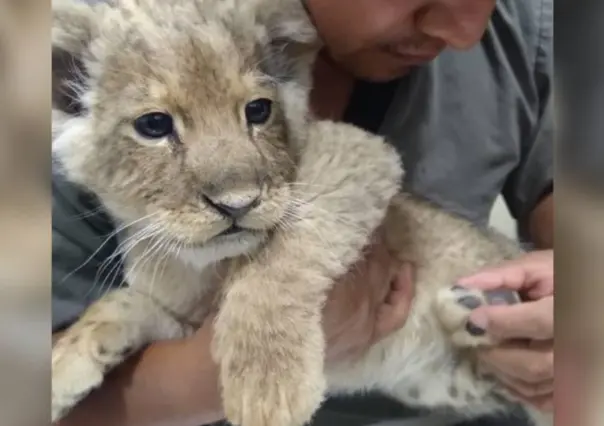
<point>367,304</point>
<point>525,362</point>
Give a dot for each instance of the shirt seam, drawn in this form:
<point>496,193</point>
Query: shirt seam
<point>541,37</point>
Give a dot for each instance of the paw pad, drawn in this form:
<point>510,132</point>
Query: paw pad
<point>467,298</point>
<point>472,299</point>
<point>474,330</point>
<point>469,302</point>
<point>455,304</point>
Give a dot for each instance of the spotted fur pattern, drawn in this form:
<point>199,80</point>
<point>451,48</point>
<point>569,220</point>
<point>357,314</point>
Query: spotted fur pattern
<point>320,189</point>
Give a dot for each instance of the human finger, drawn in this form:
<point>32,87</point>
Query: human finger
<point>532,274</point>
<point>392,314</point>
<point>528,320</point>
<point>382,270</point>
<point>530,363</point>
<point>522,388</point>
<point>542,403</point>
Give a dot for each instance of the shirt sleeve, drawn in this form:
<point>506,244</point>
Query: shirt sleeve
<point>83,267</point>
<point>533,177</point>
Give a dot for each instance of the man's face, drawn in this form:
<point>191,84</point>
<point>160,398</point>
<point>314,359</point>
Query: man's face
<point>383,39</point>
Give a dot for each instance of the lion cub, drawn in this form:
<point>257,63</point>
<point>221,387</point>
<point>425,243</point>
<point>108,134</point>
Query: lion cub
<point>188,119</point>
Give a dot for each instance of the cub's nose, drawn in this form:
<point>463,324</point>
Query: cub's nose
<point>233,205</point>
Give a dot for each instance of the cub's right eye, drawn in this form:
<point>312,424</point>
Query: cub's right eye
<point>155,125</point>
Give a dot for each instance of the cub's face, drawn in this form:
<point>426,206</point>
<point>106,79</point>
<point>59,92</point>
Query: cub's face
<point>181,117</point>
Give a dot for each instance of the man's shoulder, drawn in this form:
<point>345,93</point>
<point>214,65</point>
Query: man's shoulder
<point>527,24</point>
<point>509,69</point>
<point>528,15</point>
<point>475,113</point>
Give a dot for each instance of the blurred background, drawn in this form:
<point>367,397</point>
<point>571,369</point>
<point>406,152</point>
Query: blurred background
<point>25,225</point>
<point>24,212</point>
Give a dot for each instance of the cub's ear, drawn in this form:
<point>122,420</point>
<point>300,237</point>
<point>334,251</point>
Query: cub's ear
<point>293,39</point>
<point>290,28</point>
<point>290,20</point>
<point>75,24</point>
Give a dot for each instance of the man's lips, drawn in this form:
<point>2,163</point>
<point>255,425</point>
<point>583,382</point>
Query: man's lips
<point>412,58</point>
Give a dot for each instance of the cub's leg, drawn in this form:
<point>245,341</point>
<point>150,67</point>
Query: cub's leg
<point>111,329</point>
<point>268,335</point>
<point>454,305</point>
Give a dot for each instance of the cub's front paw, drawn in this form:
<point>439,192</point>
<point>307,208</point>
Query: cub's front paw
<point>455,304</point>
<point>269,379</point>
<point>271,396</point>
<point>74,374</point>
<point>80,360</point>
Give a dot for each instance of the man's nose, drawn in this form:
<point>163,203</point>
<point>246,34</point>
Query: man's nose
<point>457,31</point>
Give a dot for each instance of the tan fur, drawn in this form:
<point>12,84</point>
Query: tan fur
<point>324,188</point>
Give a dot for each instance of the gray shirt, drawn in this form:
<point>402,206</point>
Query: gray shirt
<point>478,123</point>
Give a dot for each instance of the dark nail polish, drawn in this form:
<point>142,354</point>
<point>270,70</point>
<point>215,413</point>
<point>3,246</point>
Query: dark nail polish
<point>469,302</point>
<point>474,330</point>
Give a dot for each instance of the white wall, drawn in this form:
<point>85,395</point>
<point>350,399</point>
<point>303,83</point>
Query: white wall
<point>501,218</point>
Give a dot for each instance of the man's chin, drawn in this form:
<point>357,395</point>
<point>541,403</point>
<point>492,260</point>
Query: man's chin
<point>373,68</point>
<point>376,76</point>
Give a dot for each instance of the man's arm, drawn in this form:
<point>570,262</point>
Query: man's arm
<point>176,382</point>
<point>541,225</point>
<point>169,382</point>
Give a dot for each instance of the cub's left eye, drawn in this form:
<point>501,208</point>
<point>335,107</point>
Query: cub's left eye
<point>155,125</point>
<point>258,111</point>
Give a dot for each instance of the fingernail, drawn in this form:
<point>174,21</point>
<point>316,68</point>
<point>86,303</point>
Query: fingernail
<point>477,324</point>
<point>501,297</point>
